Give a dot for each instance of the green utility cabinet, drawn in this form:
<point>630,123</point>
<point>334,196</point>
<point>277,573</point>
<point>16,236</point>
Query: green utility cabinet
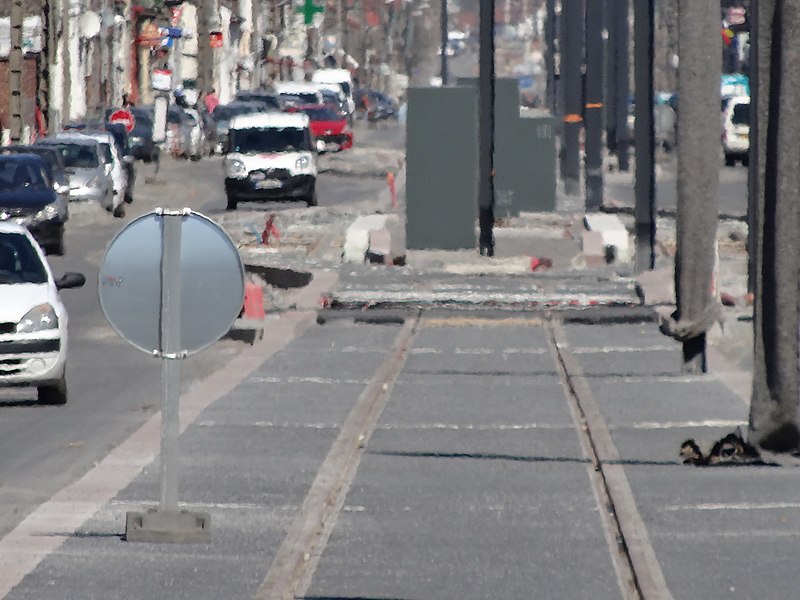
<point>441,168</point>
<point>524,153</point>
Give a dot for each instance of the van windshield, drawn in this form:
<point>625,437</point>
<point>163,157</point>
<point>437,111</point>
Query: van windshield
<point>741,114</point>
<point>270,139</point>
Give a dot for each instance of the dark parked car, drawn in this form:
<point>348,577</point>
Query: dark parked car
<point>375,105</point>
<point>53,158</point>
<point>223,114</point>
<point>27,198</point>
<point>270,100</point>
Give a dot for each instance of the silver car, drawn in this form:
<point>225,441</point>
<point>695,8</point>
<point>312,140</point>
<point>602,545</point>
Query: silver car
<point>88,178</point>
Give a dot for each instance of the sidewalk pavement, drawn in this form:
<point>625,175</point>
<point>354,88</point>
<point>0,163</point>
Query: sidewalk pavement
<point>473,454</point>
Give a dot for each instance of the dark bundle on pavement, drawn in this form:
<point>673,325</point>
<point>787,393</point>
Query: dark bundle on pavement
<point>730,450</point>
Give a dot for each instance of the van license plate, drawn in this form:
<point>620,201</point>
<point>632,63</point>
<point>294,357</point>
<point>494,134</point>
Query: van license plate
<point>268,184</point>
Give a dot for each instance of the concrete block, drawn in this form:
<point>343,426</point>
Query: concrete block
<point>594,248</point>
<point>657,287</point>
<point>613,231</point>
<point>173,527</point>
<point>380,245</point>
<point>356,243</point>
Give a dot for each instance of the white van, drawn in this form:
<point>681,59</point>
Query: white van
<point>270,156</point>
<point>736,130</point>
<point>341,77</point>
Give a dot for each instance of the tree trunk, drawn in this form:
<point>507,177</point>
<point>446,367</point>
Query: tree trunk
<point>700,64</point>
<point>774,422</point>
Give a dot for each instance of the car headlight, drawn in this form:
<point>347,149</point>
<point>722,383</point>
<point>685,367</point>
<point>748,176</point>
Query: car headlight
<point>235,168</point>
<point>48,212</point>
<point>303,163</point>
<point>39,318</point>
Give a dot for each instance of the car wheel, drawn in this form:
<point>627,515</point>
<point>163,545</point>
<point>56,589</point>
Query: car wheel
<point>746,161</point>
<point>119,211</point>
<point>57,248</point>
<point>312,200</point>
<point>233,201</point>
<point>128,197</point>
<point>53,395</point>
<point>730,161</point>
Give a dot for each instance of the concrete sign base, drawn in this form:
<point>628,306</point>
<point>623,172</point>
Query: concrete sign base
<point>176,527</point>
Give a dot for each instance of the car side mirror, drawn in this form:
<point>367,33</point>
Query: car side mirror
<point>70,280</point>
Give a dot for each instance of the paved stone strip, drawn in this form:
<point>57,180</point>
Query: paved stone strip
<point>293,566</point>
<point>638,570</point>
<point>46,528</point>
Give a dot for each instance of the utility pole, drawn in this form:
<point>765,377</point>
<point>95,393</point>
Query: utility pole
<point>444,27</point>
<point>66,95</point>
<point>486,129</point>
<point>622,88</point>
<point>700,63</point>
<point>550,29</point>
<point>205,56</point>
<point>611,76</point>
<point>644,211</point>
<point>572,96</point>
<point>15,61</point>
<point>594,105</point>
<point>754,171</point>
<point>774,411</point>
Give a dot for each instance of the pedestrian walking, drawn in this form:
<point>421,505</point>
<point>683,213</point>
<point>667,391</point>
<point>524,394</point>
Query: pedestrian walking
<point>211,100</point>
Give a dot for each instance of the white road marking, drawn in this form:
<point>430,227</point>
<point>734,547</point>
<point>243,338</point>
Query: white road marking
<point>687,424</point>
<point>623,349</point>
<point>471,427</point>
<point>294,379</point>
<point>711,506</point>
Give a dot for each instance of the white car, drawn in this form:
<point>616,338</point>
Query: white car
<point>112,162</point>
<point>736,130</point>
<point>33,320</point>
<point>270,156</point>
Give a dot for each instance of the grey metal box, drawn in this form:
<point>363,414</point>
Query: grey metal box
<point>524,153</point>
<point>441,168</point>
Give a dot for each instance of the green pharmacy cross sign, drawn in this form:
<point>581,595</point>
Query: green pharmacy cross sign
<point>308,9</point>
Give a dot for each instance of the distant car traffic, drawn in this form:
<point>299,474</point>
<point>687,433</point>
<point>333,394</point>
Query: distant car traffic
<point>736,130</point>
<point>330,130</point>
<point>113,163</point>
<point>269,101</point>
<point>270,156</point>
<point>33,320</point>
<point>223,114</point>
<point>88,179</point>
<point>27,198</point>
<point>141,138</point>
<point>53,158</point>
<point>374,105</point>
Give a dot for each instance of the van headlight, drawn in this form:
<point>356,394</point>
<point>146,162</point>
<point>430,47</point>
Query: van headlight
<point>48,213</point>
<point>302,164</point>
<point>235,168</point>
<point>39,318</point>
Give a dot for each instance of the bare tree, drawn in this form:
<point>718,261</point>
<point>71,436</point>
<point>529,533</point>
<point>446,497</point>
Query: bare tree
<point>700,64</point>
<point>774,418</point>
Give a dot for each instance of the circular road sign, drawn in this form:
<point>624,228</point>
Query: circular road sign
<point>211,280</point>
<point>123,116</point>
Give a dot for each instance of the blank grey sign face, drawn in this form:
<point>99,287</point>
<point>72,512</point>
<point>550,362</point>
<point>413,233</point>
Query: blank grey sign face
<point>211,276</point>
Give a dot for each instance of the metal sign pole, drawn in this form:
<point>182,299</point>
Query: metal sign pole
<point>171,352</point>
